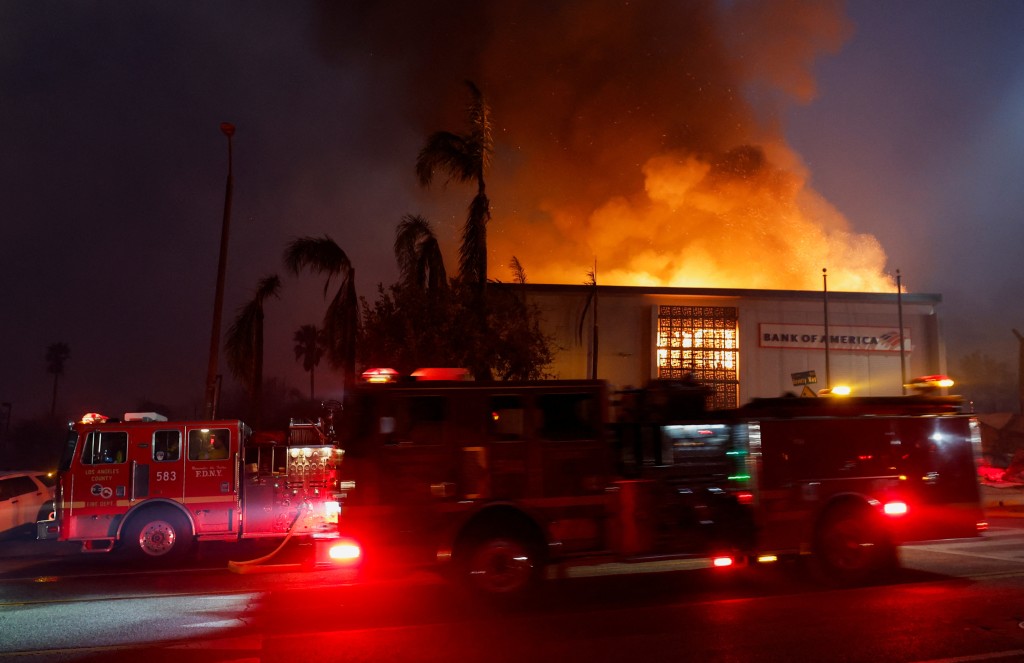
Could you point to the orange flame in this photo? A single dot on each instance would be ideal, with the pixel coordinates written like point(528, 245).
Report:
point(734, 222)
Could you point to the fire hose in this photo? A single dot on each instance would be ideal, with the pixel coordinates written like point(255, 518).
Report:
point(239, 567)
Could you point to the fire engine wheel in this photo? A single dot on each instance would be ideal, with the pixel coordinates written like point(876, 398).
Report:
point(501, 566)
point(852, 548)
point(157, 534)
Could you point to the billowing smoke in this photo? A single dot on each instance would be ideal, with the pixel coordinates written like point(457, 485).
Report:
point(640, 136)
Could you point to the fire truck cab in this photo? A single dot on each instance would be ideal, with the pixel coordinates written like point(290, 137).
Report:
point(152, 487)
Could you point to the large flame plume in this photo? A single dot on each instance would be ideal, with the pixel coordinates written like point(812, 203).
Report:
point(639, 136)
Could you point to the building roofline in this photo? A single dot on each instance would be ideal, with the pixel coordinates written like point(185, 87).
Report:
point(748, 293)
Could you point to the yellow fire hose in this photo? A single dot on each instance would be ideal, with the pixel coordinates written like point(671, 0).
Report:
point(249, 565)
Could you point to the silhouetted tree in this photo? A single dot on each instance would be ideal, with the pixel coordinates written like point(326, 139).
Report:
point(408, 328)
point(309, 348)
point(466, 158)
point(244, 344)
point(418, 253)
point(322, 255)
point(57, 355)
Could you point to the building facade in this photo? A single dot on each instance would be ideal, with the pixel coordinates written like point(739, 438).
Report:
point(744, 343)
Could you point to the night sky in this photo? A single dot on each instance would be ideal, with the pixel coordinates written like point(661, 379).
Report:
point(735, 144)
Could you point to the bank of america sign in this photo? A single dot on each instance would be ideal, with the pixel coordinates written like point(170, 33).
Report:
point(840, 337)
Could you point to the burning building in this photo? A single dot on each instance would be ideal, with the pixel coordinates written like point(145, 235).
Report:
point(743, 343)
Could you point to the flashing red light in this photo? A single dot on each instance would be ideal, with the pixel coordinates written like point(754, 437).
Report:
point(94, 418)
point(378, 375)
point(456, 374)
point(722, 562)
point(344, 550)
point(745, 497)
point(982, 526)
point(895, 508)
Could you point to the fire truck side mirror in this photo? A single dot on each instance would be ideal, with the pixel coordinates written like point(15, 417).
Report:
point(387, 425)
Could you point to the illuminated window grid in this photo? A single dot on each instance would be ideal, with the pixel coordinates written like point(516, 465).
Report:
point(703, 341)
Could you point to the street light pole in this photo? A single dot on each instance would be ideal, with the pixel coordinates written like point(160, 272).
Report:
point(210, 409)
point(903, 350)
point(828, 373)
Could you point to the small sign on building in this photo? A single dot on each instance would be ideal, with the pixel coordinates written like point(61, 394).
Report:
point(804, 377)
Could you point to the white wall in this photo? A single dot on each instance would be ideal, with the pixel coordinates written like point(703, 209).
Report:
point(626, 335)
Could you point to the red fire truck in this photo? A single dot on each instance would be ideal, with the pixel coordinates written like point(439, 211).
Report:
point(151, 487)
point(501, 481)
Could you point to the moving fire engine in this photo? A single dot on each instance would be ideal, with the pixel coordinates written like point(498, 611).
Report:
point(500, 481)
point(152, 487)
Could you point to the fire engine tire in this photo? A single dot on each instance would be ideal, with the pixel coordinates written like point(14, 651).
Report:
point(851, 547)
point(500, 565)
point(157, 534)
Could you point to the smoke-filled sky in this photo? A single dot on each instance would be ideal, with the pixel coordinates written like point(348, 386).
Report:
point(725, 143)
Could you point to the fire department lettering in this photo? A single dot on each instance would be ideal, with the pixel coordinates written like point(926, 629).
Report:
point(206, 472)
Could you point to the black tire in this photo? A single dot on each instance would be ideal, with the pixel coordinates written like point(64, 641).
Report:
point(157, 535)
point(45, 511)
point(852, 547)
point(501, 565)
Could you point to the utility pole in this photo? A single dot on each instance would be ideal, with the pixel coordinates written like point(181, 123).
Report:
point(210, 409)
point(899, 306)
point(828, 374)
point(1020, 369)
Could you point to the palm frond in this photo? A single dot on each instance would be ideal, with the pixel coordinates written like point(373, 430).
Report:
point(269, 286)
point(412, 231)
point(239, 343)
point(518, 272)
point(340, 325)
point(317, 254)
point(446, 152)
point(431, 264)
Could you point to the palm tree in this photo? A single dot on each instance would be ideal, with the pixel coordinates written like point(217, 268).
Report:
point(244, 343)
point(322, 255)
point(465, 157)
point(419, 255)
point(57, 355)
point(309, 347)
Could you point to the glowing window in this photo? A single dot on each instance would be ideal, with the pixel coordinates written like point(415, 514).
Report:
point(702, 342)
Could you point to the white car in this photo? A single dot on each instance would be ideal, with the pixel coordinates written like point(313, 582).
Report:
point(25, 497)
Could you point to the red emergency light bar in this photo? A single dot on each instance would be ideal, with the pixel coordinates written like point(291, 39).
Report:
point(456, 374)
point(378, 375)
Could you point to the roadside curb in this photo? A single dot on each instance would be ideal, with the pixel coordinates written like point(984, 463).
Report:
point(1004, 501)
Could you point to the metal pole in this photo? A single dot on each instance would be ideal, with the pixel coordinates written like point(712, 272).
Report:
point(828, 374)
point(210, 410)
point(899, 306)
point(5, 409)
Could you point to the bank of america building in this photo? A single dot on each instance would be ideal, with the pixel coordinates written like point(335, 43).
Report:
point(743, 343)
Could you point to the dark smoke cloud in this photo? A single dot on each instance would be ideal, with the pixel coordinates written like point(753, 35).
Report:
point(586, 94)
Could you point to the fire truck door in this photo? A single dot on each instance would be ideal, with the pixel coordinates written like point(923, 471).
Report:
point(103, 484)
point(420, 463)
point(210, 481)
point(166, 467)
